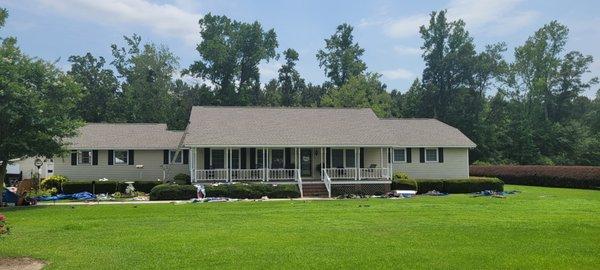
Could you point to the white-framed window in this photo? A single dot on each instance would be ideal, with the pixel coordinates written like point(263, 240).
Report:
point(120, 157)
point(431, 155)
point(178, 157)
point(400, 155)
point(84, 157)
point(343, 158)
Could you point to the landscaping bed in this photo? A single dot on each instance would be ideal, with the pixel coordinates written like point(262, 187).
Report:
point(470, 185)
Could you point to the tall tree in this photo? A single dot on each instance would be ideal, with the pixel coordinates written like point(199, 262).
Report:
point(311, 95)
point(290, 82)
point(341, 57)
point(99, 88)
point(230, 53)
point(36, 101)
point(147, 71)
point(363, 91)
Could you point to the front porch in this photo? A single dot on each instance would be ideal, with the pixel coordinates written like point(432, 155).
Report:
point(326, 165)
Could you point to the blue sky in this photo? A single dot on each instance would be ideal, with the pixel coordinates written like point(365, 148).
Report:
point(388, 30)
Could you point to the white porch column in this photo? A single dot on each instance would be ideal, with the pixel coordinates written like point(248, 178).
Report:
point(264, 165)
point(381, 157)
point(227, 162)
point(192, 164)
point(390, 162)
point(356, 170)
point(267, 163)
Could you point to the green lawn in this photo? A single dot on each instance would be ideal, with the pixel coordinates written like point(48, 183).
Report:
point(539, 228)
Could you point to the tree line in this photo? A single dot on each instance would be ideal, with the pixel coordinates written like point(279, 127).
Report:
point(526, 111)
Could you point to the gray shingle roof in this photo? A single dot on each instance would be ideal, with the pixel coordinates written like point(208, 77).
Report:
point(125, 136)
point(256, 126)
point(424, 133)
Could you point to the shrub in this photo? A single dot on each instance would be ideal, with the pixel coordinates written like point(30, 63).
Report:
point(473, 184)
point(54, 181)
point(401, 181)
point(549, 176)
point(173, 192)
point(253, 191)
point(182, 179)
point(107, 186)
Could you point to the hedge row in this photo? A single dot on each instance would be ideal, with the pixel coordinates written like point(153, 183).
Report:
point(238, 191)
point(173, 192)
point(473, 184)
point(587, 177)
point(106, 186)
point(253, 191)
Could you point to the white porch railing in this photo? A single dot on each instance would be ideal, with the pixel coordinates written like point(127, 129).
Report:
point(374, 173)
point(327, 181)
point(281, 174)
point(211, 175)
point(247, 175)
point(341, 173)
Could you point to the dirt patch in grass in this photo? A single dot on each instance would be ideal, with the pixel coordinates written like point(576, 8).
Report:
point(22, 263)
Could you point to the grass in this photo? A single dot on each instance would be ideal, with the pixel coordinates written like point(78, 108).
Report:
point(545, 228)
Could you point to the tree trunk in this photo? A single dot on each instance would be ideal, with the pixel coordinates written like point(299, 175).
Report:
point(2, 177)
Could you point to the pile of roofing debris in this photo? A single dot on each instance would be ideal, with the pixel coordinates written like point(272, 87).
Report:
point(494, 194)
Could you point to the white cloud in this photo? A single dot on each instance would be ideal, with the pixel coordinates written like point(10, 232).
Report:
point(405, 27)
point(396, 74)
point(164, 19)
point(406, 50)
point(269, 70)
point(491, 16)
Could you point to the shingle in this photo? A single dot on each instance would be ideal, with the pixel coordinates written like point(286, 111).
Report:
point(125, 136)
point(259, 126)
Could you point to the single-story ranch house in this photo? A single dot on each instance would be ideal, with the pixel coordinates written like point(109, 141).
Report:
point(324, 146)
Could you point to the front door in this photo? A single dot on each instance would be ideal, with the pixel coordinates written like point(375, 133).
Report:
point(306, 162)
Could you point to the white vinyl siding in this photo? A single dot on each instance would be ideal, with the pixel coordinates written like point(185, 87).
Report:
point(151, 159)
point(455, 165)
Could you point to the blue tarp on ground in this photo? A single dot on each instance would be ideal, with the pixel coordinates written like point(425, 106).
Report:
point(9, 197)
point(77, 196)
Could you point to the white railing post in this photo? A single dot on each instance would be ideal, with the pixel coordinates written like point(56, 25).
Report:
point(298, 178)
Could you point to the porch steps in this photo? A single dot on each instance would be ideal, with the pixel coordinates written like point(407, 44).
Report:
point(314, 190)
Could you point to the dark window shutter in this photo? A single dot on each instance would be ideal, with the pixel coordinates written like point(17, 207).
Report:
point(288, 157)
point(362, 158)
point(74, 158)
point(94, 157)
point(252, 158)
point(131, 157)
point(206, 158)
point(166, 157)
point(441, 155)
point(422, 155)
point(327, 157)
point(389, 155)
point(408, 155)
point(110, 157)
point(186, 156)
point(243, 158)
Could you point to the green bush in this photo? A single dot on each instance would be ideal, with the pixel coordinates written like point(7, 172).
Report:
point(473, 184)
point(401, 181)
point(546, 176)
point(182, 179)
point(253, 191)
point(54, 181)
point(173, 192)
point(107, 186)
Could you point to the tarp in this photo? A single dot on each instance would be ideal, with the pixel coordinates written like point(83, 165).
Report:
point(77, 196)
point(9, 196)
